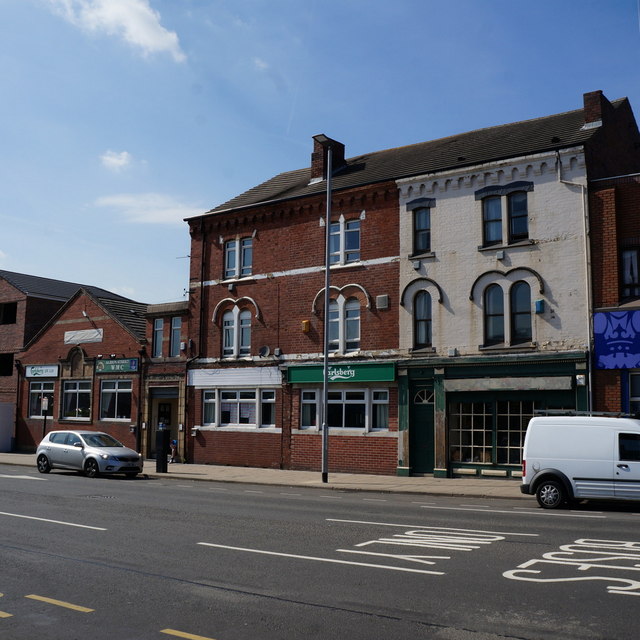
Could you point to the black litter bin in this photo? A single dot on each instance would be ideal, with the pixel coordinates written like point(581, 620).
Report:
point(163, 438)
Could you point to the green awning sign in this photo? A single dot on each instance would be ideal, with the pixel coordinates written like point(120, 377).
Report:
point(121, 365)
point(377, 372)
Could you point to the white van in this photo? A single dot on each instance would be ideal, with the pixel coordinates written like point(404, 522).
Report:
point(569, 458)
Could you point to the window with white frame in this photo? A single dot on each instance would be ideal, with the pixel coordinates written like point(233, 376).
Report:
point(238, 258)
point(238, 407)
point(176, 329)
point(236, 333)
point(344, 325)
point(513, 326)
point(158, 331)
point(365, 409)
point(344, 241)
point(115, 400)
point(37, 392)
point(76, 399)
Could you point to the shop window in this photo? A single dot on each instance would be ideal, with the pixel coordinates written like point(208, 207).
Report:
point(76, 400)
point(239, 407)
point(115, 400)
point(176, 329)
point(422, 320)
point(488, 432)
point(158, 331)
point(348, 408)
point(8, 312)
point(344, 241)
point(238, 258)
point(38, 391)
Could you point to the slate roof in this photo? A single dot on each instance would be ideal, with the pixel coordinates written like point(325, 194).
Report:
point(466, 149)
point(50, 289)
point(129, 313)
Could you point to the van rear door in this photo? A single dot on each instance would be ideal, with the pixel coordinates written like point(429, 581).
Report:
point(626, 466)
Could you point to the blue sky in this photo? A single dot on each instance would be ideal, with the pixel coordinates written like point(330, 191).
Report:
point(119, 118)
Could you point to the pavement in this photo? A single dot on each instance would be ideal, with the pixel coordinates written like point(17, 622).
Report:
point(425, 485)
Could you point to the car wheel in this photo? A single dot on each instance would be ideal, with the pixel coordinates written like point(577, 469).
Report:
point(44, 466)
point(131, 475)
point(550, 494)
point(91, 469)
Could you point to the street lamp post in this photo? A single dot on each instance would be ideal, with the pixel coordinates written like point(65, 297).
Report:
point(326, 144)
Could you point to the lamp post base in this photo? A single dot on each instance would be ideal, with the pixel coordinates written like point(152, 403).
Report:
point(325, 477)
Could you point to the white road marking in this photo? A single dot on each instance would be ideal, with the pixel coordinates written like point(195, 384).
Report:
point(532, 513)
point(418, 526)
point(68, 524)
point(373, 500)
point(316, 559)
point(6, 475)
point(290, 494)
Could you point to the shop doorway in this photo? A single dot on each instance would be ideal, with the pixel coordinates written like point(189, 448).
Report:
point(421, 430)
point(163, 414)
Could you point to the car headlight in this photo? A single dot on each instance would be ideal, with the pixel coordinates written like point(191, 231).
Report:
point(105, 456)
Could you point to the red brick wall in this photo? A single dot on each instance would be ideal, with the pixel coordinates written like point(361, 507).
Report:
point(236, 448)
point(607, 393)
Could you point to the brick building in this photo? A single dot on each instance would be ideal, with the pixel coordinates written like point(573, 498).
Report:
point(614, 203)
point(82, 370)
point(461, 299)
point(27, 303)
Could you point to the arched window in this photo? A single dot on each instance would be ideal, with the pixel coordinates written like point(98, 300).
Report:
point(520, 304)
point(236, 333)
point(422, 320)
point(493, 315)
point(344, 325)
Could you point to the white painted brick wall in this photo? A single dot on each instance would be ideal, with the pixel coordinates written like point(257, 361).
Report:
point(557, 254)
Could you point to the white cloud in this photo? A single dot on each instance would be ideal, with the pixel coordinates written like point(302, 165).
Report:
point(149, 208)
point(260, 64)
point(116, 161)
point(133, 20)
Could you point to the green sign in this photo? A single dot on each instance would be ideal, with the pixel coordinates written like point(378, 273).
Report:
point(121, 365)
point(377, 372)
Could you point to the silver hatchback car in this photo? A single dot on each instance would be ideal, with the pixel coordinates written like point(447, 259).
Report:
point(91, 452)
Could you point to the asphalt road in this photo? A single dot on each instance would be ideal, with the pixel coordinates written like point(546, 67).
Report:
point(151, 559)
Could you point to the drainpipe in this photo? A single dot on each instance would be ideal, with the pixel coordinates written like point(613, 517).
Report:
point(588, 281)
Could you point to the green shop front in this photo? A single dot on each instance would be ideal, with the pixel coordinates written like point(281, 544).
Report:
point(362, 415)
point(468, 416)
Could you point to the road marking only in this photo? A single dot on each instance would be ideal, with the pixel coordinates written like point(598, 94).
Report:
point(331, 560)
point(60, 603)
point(182, 634)
point(68, 524)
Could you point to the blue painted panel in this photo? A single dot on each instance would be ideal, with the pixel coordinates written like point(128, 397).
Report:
point(617, 339)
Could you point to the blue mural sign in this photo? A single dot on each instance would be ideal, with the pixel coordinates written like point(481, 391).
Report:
point(617, 339)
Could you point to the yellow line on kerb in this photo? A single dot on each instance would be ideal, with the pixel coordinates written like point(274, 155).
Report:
point(60, 603)
point(182, 634)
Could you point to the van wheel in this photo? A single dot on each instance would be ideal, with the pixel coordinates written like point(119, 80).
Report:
point(550, 494)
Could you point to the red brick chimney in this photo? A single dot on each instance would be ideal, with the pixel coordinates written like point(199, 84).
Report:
point(596, 107)
point(319, 157)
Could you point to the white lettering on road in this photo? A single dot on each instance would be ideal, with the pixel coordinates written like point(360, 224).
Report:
point(595, 558)
point(68, 524)
point(443, 539)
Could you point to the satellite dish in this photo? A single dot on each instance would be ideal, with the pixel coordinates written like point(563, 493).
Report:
point(263, 352)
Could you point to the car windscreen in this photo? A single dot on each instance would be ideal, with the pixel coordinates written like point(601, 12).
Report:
point(101, 440)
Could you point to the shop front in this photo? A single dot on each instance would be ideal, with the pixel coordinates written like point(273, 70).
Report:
point(468, 417)
point(362, 416)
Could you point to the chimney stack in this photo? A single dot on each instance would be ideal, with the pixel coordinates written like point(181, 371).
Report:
point(319, 158)
point(596, 108)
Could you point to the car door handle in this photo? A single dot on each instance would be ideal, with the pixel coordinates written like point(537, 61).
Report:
point(623, 466)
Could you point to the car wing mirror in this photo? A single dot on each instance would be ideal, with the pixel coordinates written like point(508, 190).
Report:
point(78, 444)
